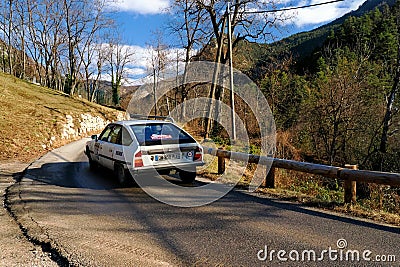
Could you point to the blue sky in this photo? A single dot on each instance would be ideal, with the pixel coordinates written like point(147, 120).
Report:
point(138, 29)
point(138, 20)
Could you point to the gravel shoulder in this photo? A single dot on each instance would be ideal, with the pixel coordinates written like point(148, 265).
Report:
point(16, 249)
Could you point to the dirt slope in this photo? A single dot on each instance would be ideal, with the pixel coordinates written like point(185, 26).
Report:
point(31, 118)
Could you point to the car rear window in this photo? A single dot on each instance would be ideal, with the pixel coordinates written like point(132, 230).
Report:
point(160, 133)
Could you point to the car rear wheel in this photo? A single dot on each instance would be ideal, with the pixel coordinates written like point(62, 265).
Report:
point(187, 176)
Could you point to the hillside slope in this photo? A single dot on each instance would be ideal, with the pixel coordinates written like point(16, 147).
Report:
point(34, 119)
point(303, 44)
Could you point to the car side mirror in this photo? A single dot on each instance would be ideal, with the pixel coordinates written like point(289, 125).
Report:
point(94, 137)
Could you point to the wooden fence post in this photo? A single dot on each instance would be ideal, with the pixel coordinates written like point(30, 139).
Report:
point(350, 187)
point(269, 181)
point(221, 164)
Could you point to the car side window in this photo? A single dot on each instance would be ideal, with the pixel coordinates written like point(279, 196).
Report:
point(104, 135)
point(113, 137)
point(125, 137)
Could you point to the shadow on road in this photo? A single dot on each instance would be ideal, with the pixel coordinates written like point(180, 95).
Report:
point(78, 175)
point(72, 175)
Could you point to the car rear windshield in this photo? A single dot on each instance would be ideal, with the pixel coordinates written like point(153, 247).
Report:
point(160, 134)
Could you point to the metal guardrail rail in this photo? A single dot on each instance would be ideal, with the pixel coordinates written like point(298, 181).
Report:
point(349, 174)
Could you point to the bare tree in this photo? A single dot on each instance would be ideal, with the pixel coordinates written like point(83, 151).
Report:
point(10, 36)
point(83, 19)
point(189, 29)
point(32, 45)
point(2, 35)
point(20, 30)
point(56, 35)
point(6, 26)
point(336, 112)
point(118, 57)
point(51, 40)
point(75, 22)
point(93, 66)
point(44, 39)
point(158, 63)
point(91, 51)
point(245, 24)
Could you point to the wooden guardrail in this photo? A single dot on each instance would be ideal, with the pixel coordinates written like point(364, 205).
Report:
point(349, 174)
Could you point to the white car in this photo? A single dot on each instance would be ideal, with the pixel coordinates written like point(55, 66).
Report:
point(136, 146)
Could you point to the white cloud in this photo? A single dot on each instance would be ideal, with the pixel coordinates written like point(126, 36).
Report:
point(323, 13)
point(140, 58)
point(135, 71)
point(138, 71)
point(142, 7)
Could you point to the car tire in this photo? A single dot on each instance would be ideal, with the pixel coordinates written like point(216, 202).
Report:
point(164, 172)
point(120, 174)
point(187, 176)
point(92, 164)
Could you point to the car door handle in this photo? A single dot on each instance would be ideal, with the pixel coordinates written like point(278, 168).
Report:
point(110, 150)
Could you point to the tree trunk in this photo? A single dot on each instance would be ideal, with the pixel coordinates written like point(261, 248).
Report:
point(10, 33)
point(390, 101)
point(154, 92)
point(213, 89)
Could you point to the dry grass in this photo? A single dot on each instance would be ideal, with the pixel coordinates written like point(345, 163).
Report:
point(355, 210)
point(316, 191)
point(31, 115)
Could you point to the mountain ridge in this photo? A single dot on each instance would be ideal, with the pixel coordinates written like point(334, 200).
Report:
point(304, 43)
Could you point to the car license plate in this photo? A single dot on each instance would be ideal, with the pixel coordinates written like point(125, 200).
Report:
point(166, 157)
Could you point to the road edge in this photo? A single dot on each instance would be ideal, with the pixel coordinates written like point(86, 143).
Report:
point(11, 197)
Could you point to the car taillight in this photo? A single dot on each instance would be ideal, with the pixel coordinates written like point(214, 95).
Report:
point(198, 154)
point(138, 161)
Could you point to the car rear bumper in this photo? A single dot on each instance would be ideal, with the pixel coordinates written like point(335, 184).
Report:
point(184, 166)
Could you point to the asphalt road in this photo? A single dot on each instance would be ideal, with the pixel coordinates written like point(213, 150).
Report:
point(86, 219)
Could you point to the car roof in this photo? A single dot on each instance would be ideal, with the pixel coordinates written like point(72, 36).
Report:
point(137, 122)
